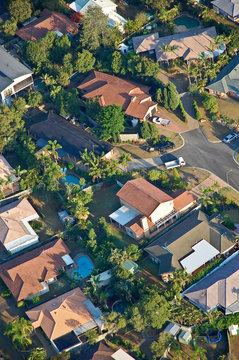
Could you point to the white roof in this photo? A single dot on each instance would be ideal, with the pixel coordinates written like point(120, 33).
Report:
point(233, 328)
point(123, 215)
point(121, 355)
point(202, 253)
point(172, 329)
point(104, 275)
point(67, 259)
point(84, 5)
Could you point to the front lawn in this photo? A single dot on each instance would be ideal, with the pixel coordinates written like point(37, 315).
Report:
point(229, 108)
point(230, 194)
point(214, 131)
point(233, 213)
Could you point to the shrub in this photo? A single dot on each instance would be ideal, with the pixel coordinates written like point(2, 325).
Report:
point(20, 304)
point(197, 111)
point(183, 112)
point(37, 225)
point(70, 166)
point(36, 299)
point(228, 222)
point(6, 293)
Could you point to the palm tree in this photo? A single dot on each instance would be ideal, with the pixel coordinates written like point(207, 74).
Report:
point(20, 331)
point(167, 48)
point(19, 172)
point(52, 147)
point(94, 163)
point(8, 181)
point(124, 158)
point(37, 354)
point(199, 353)
point(48, 79)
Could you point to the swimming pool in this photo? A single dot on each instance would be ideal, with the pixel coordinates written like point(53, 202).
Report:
point(71, 179)
point(186, 21)
point(85, 267)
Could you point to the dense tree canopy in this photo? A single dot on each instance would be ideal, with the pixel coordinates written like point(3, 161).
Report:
point(20, 10)
point(112, 121)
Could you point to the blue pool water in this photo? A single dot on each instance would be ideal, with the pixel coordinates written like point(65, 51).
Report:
point(187, 21)
point(71, 179)
point(85, 268)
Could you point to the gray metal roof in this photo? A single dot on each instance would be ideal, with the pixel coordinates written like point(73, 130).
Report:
point(230, 7)
point(219, 288)
point(228, 78)
point(10, 69)
point(176, 243)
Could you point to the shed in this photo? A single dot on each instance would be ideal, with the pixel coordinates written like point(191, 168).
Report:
point(103, 279)
point(123, 48)
point(172, 329)
point(131, 266)
point(185, 337)
point(233, 330)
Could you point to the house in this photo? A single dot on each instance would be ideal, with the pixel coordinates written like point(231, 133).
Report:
point(233, 330)
point(111, 90)
point(184, 337)
point(102, 352)
point(14, 76)
point(227, 81)
point(16, 232)
point(228, 8)
point(108, 7)
point(31, 273)
point(145, 208)
point(188, 45)
point(48, 21)
point(131, 266)
point(191, 244)
point(7, 173)
point(65, 318)
point(73, 139)
point(219, 289)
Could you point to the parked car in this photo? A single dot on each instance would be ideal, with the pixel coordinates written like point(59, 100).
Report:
point(229, 138)
point(149, 148)
point(166, 146)
point(175, 163)
point(160, 121)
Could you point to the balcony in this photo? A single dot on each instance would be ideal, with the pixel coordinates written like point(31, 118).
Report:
point(23, 84)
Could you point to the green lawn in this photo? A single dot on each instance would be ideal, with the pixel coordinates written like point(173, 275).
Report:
point(230, 194)
point(233, 213)
point(104, 203)
point(229, 107)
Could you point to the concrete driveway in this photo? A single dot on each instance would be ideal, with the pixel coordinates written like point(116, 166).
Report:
point(198, 152)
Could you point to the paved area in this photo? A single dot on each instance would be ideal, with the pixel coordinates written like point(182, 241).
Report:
point(198, 152)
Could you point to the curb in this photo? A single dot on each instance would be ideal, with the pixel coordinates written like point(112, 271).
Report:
point(234, 156)
point(213, 142)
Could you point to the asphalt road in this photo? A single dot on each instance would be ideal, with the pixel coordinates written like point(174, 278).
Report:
point(216, 157)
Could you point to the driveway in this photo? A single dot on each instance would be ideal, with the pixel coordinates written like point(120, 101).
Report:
point(198, 152)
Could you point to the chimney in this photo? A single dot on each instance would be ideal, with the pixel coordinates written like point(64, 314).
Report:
point(144, 223)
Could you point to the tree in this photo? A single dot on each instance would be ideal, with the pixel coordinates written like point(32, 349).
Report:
point(65, 355)
point(20, 10)
point(154, 175)
point(34, 98)
point(158, 347)
point(77, 204)
point(124, 159)
point(20, 330)
point(117, 62)
point(228, 222)
point(118, 257)
point(34, 54)
point(133, 252)
point(38, 354)
point(145, 130)
point(173, 98)
point(95, 31)
point(91, 243)
point(52, 147)
point(154, 131)
point(85, 61)
point(10, 27)
point(112, 121)
point(136, 319)
point(62, 45)
point(200, 353)
point(196, 110)
point(91, 336)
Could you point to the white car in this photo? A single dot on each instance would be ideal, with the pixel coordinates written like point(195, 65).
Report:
point(161, 121)
point(229, 138)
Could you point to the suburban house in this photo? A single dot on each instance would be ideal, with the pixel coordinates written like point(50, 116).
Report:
point(219, 289)
point(16, 232)
point(227, 81)
point(48, 21)
point(188, 45)
point(73, 139)
point(111, 90)
point(14, 76)
point(190, 245)
point(65, 318)
point(102, 352)
point(31, 273)
point(8, 181)
point(228, 8)
point(145, 208)
point(108, 7)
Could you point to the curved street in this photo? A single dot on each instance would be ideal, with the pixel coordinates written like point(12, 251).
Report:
point(198, 152)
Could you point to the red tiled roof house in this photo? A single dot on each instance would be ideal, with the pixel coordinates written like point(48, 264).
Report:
point(111, 90)
point(145, 208)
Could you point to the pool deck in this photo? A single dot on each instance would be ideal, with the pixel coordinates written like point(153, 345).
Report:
point(70, 271)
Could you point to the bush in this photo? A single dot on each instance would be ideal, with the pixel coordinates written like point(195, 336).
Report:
point(37, 225)
point(197, 111)
point(20, 304)
point(36, 299)
point(6, 293)
point(183, 112)
point(34, 98)
point(209, 103)
point(202, 273)
point(228, 222)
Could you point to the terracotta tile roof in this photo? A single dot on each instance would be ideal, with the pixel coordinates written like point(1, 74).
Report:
point(182, 198)
point(61, 315)
point(136, 227)
point(142, 195)
point(11, 215)
point(133, 98)
point(22, 274)
point(48, 21)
